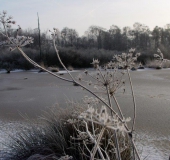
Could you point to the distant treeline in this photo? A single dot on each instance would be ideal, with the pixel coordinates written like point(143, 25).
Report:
point(99, 40)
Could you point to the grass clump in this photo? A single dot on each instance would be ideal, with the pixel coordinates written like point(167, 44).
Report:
point(54, 69)
point(155, 64)
point(70, 68)
point(63, 136)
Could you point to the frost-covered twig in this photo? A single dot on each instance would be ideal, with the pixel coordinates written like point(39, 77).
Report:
point(134, 101)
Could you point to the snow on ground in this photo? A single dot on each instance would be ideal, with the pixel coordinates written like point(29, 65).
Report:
point(151, 147)
point(63, 71)
point(36, 71)
point(145, 145)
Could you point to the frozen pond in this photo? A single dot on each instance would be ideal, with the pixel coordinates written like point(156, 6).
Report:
point(27, 93)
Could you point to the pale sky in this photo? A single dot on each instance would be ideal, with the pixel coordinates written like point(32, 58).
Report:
point(81, 14)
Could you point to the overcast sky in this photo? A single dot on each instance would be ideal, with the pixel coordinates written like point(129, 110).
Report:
point(80, 14)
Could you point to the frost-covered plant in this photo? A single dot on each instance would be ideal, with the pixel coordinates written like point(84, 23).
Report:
point(100, 128)
point(127, 60)
point(160, 60)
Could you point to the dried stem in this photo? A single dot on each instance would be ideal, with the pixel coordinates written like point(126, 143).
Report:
point(134, 101)
point(96, 142)
point(37, 65)
point(117, 146)
point(61, 60)
point(117, 104)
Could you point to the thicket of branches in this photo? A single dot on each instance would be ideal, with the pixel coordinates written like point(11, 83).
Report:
point(140, 37)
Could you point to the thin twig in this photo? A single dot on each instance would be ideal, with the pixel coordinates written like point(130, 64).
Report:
point(57, 52)
point(117, 146)
point(96, 142)
point(37, 65)
point(134, 101)
point(117, 104)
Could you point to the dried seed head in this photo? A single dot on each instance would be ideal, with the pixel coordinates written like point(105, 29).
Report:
point(95, 63)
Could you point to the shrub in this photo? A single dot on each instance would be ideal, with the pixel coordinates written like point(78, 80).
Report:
point(159, 62)
point(14, 60)
point(78, 58)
